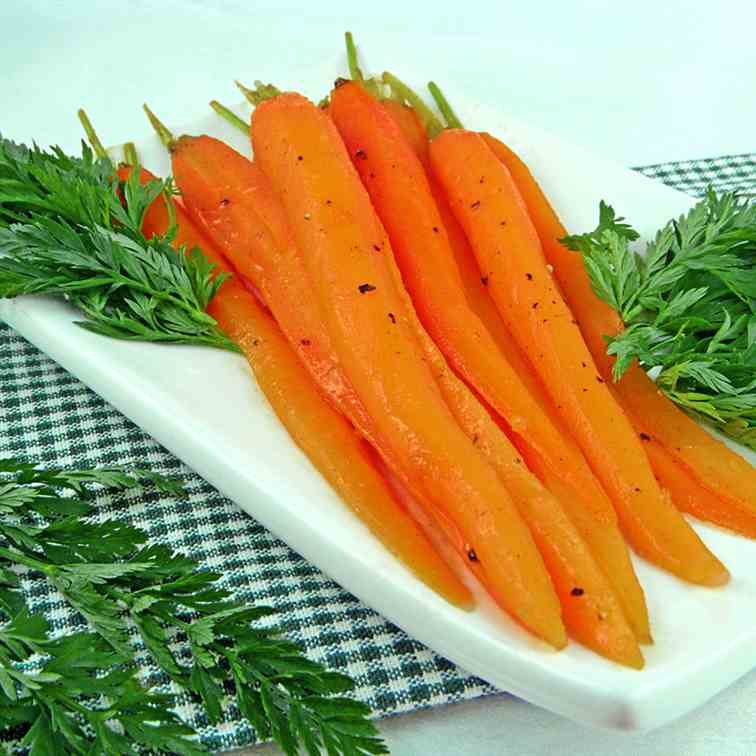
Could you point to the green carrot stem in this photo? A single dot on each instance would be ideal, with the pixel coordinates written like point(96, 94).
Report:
point(230, 116)
point(354, 69)
point(260, 93)
point(166, 137)
point(405, 94)
point(130, 156)
point(92, 137)
point(443, 105)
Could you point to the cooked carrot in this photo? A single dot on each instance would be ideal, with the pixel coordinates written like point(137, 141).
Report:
point(344, 248)
point(493, 214)
point(608, 639)
point(584, 499)
point(411, 127)
point(714, 466)
point(324, 436)
point(233, 201)
point(401, 194)
point(605, 622)
point(690, 497)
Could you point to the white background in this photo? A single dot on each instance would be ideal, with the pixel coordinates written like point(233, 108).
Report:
point(639, 82)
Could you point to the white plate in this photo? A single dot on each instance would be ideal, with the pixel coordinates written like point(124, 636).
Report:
point(204, 406)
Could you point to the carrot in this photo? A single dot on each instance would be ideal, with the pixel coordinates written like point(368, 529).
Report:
point(324, 436)
point(692, 498)
point(397, 184)
point(233, 201)
point(581, 495)
point(344, 248)
point(490, 209)
point(714, 467)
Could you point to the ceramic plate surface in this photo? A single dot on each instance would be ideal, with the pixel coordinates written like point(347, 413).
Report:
point(204, 406)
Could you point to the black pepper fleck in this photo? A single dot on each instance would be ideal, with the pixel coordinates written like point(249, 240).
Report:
point(645, 437)
point(361, 154)
point(305, 342)
point(225, 202)
point(529, 276)
point(577, 591)
point(475, 205)
point(535, 305)
point(484, 280)
point(472, 556)
point(599, 379)
point(392, 317)
point(300, 157)
point(365, 288)
point(435, 229)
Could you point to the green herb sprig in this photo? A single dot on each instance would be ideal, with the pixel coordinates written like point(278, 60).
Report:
point(688, 304)
point(64, 231)
point(83, 695)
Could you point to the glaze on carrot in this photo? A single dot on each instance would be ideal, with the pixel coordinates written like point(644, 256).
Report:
point(325, 437)
point(581, 495)
point(344, 248)
point(714, 467)
point(233, 202)
point(495, 219)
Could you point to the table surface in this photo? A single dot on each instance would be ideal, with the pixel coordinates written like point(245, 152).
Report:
point(639, 83)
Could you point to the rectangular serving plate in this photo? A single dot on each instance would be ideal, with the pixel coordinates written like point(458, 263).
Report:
point(204, 406)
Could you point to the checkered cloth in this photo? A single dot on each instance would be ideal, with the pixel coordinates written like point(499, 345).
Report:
point(48, 416)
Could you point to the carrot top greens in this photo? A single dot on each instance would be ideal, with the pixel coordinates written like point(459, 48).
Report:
point(689, 305)
point(65, 231)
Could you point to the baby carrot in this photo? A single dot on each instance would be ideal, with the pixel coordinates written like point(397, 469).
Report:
point(344, 246)
point(495, 219)
point(714, 467)
point(582, 496)
point(232, 200)
point(327, 439)
point(400, 192)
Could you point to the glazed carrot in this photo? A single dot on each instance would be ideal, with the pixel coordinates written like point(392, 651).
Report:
point(583, 498)
point(602, 622)
point(690, 497)
point(570, 565)
point(329, 442)
point(411, 127)
point(487, 204)
point(713, 466)
point(344, 248)
point(232, 200)
point(400, 192)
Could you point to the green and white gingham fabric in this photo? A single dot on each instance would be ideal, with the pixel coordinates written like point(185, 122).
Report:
point(47, 415)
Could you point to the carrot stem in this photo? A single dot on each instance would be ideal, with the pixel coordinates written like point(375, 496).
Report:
point(130, 156)
point(406, 94)
point(92, 137)
point(354, 69)
point(443, 105)
point(260, 93)
point(166, 137)
point(230, 116)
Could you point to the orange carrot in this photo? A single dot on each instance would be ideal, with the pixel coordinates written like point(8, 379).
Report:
point(706, 460)
point(692, 498)
point(344, 248)
point(490, 209)
point(583, 498)
point(397, 184)
point(233, 201)
point(323, 435)
point(401, 194)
